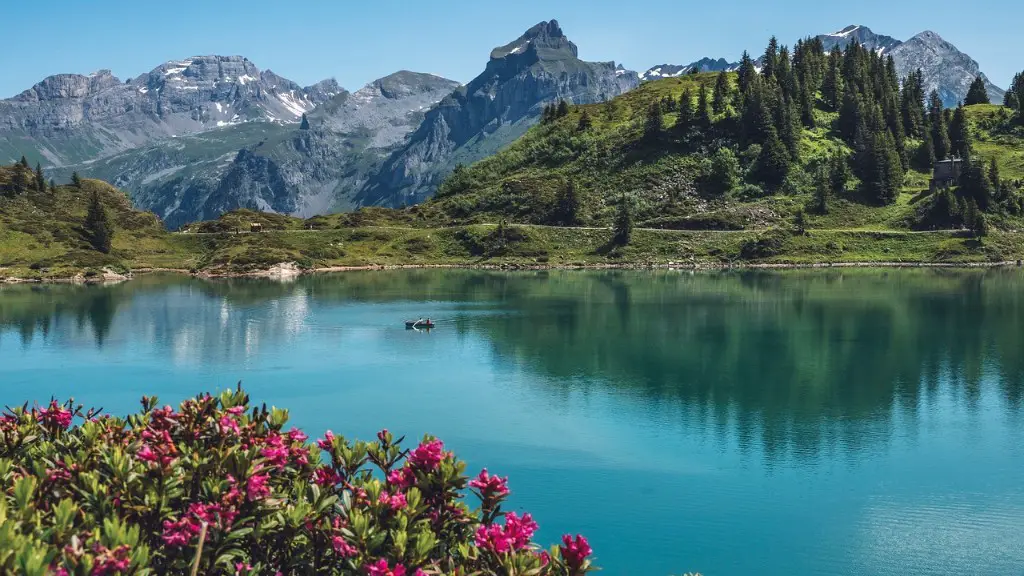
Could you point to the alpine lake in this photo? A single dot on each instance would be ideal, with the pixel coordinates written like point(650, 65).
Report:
point(825, 422)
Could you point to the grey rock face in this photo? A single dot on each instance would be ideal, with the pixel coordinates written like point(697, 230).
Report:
point(272, 165)
point(540, 67)
point(863, 35)
point(675, 70)
point(386, 109)
point(72, 118)
point(945, 68)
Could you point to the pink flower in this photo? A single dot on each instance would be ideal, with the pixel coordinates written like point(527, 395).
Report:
point(256, 487)
point(301, 455)
point(228, 424)
point(55, 415)
point(242, 568)
point(427, 455)
point(326, 476)
point(146, 454)
point(515, 535)
point(276, 457)
point(60, 571)
point(58, 474)
point(343, 548)
point(383, 436)
point(490, 486)
point(575, 552)
point(380, 568)
point(179, 533)
point(395, 502)
point(545, 558)
point(327, 441)
point(401, 478)
point(296, 435)
point(112, 561)
point(235, 410)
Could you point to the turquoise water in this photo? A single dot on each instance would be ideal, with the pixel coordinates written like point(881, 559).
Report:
point(855, 422)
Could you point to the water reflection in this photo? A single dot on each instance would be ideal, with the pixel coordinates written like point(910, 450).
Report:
point(796, 362)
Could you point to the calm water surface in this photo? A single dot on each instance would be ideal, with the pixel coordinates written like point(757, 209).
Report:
point(855, 422)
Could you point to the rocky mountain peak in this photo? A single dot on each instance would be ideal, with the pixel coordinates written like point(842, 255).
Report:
point(543, 41)
point(69, 86)
point(862, 35)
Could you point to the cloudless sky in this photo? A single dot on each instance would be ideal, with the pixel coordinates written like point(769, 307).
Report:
point(359, 41)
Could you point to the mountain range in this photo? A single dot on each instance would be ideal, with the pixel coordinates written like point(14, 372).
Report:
point(194, 138)
point(946, 69)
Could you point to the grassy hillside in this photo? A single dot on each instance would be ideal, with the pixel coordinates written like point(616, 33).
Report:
point(666, 179)
point(41, 233)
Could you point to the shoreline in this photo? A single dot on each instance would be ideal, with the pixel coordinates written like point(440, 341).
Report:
point(290, 270)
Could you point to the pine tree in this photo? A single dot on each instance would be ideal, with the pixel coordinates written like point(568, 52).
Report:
point(23, 162)
point(549, 114)
point(76, 180)
point(724, 174)
point(912, 110)
point(53, 185)
point(959, 134)
point(687, 114)
point(832, 87)
point(924, 156)
point(771, 58)
point(977, 94)
point(563, 109)
point(721, 94)
point(20, 179)
point(585, 122)
point(703, 118)
point(850, 115)
point(568, 205)
point(940, 131)
point(821, 190)
point(40, 179)
point(97, 226)
point(885, 175)
point(304, 125)
point(623, 231)
point(838, 174)
point(653, 124)
point(1010, 101)
point(745, 73)
point(998, 190)
point(975, 184)
point(773, 163)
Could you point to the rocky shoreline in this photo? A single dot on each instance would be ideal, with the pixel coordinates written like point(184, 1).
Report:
point(285, 271)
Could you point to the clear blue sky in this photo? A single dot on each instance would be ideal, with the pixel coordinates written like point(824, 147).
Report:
point(357, 41)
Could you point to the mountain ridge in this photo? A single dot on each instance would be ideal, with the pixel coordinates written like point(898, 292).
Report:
point(946, 68)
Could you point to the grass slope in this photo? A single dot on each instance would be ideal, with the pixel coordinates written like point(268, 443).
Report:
point(611, 158)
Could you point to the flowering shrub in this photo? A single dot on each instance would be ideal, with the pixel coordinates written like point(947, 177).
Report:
point(219, 487)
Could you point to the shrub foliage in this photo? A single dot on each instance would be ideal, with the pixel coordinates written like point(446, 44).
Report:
point(220, 487)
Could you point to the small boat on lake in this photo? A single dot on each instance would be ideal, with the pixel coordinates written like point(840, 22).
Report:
point(417, 324)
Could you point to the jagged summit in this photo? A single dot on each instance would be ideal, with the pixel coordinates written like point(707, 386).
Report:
point(544, 40)
point(539, 67)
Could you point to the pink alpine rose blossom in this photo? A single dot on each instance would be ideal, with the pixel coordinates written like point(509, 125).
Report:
point(575, 552)
point(55, 415)
point(490, 486)
point(380, 568)
point(428, 455)
point(327, 441)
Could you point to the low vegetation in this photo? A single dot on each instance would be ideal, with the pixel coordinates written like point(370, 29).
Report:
point(220, 487)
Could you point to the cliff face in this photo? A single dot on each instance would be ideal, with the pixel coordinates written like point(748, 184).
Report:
point(71, 118)
point(271, 165)
point(540, 67)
